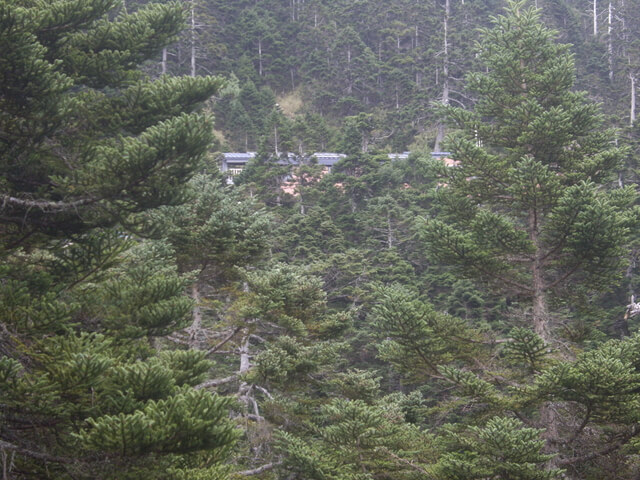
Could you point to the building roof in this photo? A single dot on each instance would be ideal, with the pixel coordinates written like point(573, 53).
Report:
point(232, 157)
point(398, 156)
point(327, 159)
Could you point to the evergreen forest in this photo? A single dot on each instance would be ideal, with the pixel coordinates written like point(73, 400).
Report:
point(466, 311)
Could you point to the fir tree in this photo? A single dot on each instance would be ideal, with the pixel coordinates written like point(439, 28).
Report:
point(528, 212)
point(88, 146)
point(525, 209)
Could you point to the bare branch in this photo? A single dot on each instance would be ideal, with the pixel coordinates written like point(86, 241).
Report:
point(44, 205)
point(608, 449)
point(221, 344)
point(175, 338)
point(265, 391)
point(587, 417)
point(30, 453)
point(254, 417)
point(256, 471)
point(216, 382)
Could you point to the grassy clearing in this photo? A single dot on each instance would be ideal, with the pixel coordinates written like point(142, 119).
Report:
point(291, 103)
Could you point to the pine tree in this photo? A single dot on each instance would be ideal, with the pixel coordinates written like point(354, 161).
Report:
point(525, 209)
point(503, 449)
point(88, 146)
point(528, 212)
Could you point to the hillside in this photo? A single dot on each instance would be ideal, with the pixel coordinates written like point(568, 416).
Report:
point(168, 312)
point(305, 67)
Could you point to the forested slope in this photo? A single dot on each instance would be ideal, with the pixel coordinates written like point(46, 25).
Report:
point(323, 61)
point(387, 320)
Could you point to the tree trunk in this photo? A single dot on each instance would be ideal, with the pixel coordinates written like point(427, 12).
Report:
point(244, 353)
point(540, 319)
point(260, 56)
point(549, 417)
point(245, 364)
point(244, 389)
point(390, 239)
point(445, 74)
point(193, 38)
point(275, 139)
point(365, 143)
point(379, 78)
point(610, 42)
point(195, 329)
point(549, 421)
point(632, 109)
point(595, 18)
point(164, 61)
point(349, 82)
point(540, 314)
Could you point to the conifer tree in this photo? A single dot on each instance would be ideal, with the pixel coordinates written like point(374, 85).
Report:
point(88, 146)
point(528, 212)
point(525, 210)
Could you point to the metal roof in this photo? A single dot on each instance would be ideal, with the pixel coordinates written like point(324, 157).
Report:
point(324, 158)
point(234, 157)
point(398, 156)
point(327, 158)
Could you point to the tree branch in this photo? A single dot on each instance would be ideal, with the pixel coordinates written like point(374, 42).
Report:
point(216, 382)
point(38, 455)
point(220, 345)
point(611, 448)
point(44, 205)
point(256, 471)
point(406, 462)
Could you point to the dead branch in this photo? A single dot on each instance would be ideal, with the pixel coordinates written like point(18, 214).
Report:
point(216, 382)
point(44, 205)
point(225, 340)
point(30, 453)
point(265, 391)
point(623, 439)
point(256, 471)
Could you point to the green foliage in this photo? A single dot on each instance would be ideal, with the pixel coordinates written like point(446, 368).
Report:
point(188, 421)
point(71, 121)
point(603, 381)
point(526, 348)
point(502, 449)
point(286, 296)
point(470, 385)
point(355, 440)
point(144, 301)
point(357, 385)
point(359, 381)
point(554, 211)
point(89, 146)
point(416, 338)
point(286, 360)
point(217, 228)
